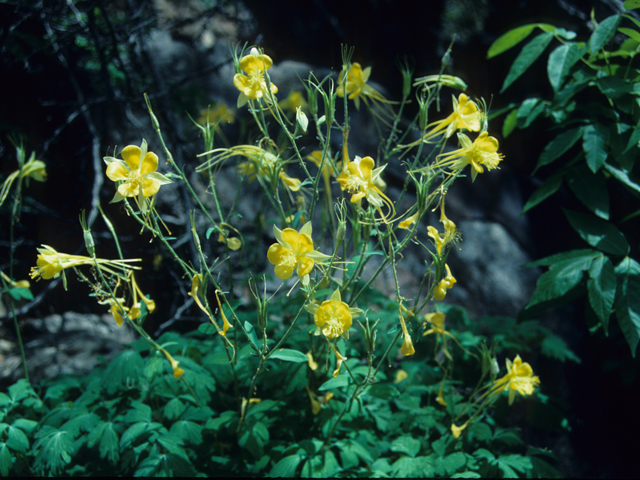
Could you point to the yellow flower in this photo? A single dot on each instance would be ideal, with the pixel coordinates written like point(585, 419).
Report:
point(253, 85)
point(400, 376)
point(294, 251)
point(293, 101)
point(216, 113)
point(35, 169)
point(50, 263)
point(18, 283)
point(450, 232)
point(137, 171)
point(177, 371)
point(446, 283)
point(333, 317)
point(458, 430)
point(359, 178)
point(466, 114)
point(116, 310)
point(406, 223)
point(483, 151)
point(519, 378)
point(356, 85)
point(317, 402)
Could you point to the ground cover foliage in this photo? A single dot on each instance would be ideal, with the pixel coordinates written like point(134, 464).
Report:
point(318, 373)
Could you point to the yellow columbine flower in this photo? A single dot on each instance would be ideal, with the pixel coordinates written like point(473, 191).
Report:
point(445, 284)
point(356, 85)
point(406, 223)
point(50, 263)
point(253, 85)
point(293, 101)
point(519, 378)
point(18, 283)
point(35, 169)
point(458, 430)
point(137, 171)
point(333, 317)
point(216, 113)
point(177, 371)
point(483, 151)
point(466, 114)
point(359, 178)
point(294, 251)
point(451, 234)
point(400, 376)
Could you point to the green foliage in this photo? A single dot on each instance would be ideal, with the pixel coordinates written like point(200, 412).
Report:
point(595, 101)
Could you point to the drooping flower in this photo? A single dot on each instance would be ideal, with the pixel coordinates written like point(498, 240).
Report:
point(483, 151)
point(456, 431)
point(445, 284)
point(519, 378)
point(137, 172)
point(294, 251)
point(50, 263)
point(451, 234)
point(356, 85)
point(177, 371)
point(407, 222)
point(253, 85)
point(359, 178)
point(333, 317)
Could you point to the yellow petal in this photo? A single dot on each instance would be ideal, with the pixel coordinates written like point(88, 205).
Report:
point(131, 154)
point(149, 163)
point(116, 171)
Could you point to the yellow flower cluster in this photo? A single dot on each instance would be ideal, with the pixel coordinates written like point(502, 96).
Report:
point(253, 85)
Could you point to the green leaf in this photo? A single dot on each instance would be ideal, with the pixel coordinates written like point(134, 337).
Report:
point(622, 177)
point(603, 33)
point(530, 52)
point(382, 391)
point(634, 140)
point(631, 4)
point(108, 438)
point(5, 460)
point(286, 467)
point(481, 431)
point(82, 422)
point(530, 109)
point(598, 233)
point(454, 462)
point(516, 462)
point(630, 32)
point(555, 347)
point(187, 430)
point(602, 289)
point(153, 366)
point(337, 382)
point(17, 440)
point(289, 355)
point(560, 62)
point(558, 146)
point(544, 191)
point(627, 301)
point(590, 188)
point(594, 143)
point(174, 408)
point(510, 39)
point(54, 450)
point(406, 444)
point(124, 372)
point(251, 334)
point(561, 277)
point(20, 292)
point(510, 122)
point(24, 424)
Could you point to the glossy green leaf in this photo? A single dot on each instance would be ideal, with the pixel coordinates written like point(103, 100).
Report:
point(560, 62)
point(337, 382)
point(634, 139)
point(124, 372)
point(544, 191)
point(627, 303)
point(17, 440)
point(5, 460)
point(510, 39)
point(286, 467)
point(108, 438)
point(602, 289)
point(603, 33)
point(598, 233)
point(382, 391)
point(630, 32)
point(406, 444)
point(558, 146)
point(289, 355)
point(561, 277)
point(529, 54)
point(54, 450)
point(631, 4)
point(530, 109)
point(594, 144)
point(560, 257)
point(21, 293)
point(510, 122)
point(622, 177)
point(590, 188)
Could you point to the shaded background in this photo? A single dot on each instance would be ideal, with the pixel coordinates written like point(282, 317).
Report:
point(73, 76)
